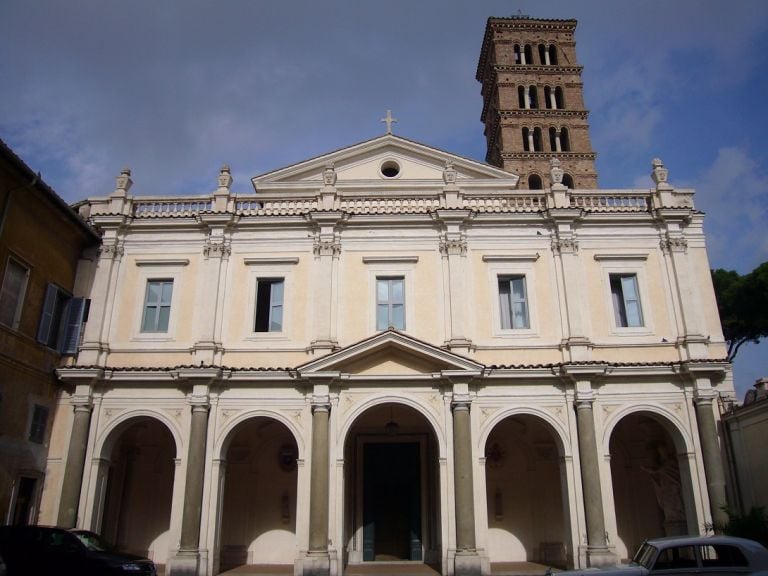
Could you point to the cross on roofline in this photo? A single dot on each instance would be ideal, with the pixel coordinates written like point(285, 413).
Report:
point(389, 120)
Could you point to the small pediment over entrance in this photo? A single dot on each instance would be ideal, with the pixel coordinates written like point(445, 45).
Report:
point(390, 353)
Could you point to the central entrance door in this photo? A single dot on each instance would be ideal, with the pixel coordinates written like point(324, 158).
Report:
point(391, 501)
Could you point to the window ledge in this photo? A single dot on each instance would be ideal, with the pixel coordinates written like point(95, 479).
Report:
point(162, 262)
point(266, 336)
point(621, 257)
point(390, 259)
point(516, 333)
point(270, 261)
point(160, 337)
point(624, 332)
point(511, 257)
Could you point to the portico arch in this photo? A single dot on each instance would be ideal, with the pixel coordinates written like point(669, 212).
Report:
point(392, 482)
point(526, 486)
point(651, 460)
point(257, 462)
point(137, 450)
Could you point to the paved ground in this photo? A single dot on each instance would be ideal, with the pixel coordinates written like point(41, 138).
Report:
point(392, 568)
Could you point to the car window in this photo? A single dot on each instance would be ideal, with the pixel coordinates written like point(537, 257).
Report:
point(722, 556)
point(61, 540)
point(675, 558)
point(645, 555)
point(92, 541)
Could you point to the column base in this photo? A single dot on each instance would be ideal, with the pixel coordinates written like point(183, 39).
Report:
point(316, 564)
point(601, 556)
point(184, 563)
point(467, 563)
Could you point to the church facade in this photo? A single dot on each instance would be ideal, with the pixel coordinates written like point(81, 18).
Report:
point(391, 353)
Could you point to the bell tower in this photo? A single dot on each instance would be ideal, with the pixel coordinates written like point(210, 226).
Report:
point(533, 101)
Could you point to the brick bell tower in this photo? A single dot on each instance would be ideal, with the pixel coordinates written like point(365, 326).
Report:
point(533, 101)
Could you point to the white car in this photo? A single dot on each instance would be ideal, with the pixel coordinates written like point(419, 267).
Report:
point(700, 555)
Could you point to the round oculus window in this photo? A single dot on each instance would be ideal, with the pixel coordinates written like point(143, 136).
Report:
point(390, 169)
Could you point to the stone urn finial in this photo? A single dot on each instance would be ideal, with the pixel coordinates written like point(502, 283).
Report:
point(555, 172)
point(659, 174)
point(449, 173)
point(123, 182)
point(329, 174)
point(225, 178)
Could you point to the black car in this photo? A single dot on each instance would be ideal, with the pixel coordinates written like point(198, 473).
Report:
point(45, 550)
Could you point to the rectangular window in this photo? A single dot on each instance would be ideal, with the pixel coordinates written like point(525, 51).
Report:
point(269, 305)
point(38, 425)
point(157, 306)
point(626, 300)
point(12, 293)
point(390, 303)
point(61, 320)
point(513, 303)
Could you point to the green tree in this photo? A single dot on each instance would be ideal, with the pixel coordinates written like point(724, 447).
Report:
point(743, 305)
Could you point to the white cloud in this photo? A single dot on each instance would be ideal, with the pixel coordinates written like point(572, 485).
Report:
point(733, 194)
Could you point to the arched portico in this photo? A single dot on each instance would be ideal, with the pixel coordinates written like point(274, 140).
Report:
point(526, 486)
point(138, 451)
point(651, 477)
point(392, 485)
point(257, 494)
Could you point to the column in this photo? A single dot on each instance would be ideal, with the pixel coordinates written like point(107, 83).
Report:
point(552, 99)
point(186, 561)
point(73, 473)
point(598, 553)
point(467, 561)
point(558, 146)
point(317, 562)
point(710, 452)
point(527, 96)
point(530, 137)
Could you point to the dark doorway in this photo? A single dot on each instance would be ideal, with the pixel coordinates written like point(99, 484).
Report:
point(25, 499)
point(391, 501)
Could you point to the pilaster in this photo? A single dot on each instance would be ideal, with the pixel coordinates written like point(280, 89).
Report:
point(95, 347)
point(208, 348)
point(453, 248)
point(327, 250)
point(565, 248)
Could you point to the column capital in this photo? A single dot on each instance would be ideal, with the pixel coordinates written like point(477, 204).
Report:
point(584, 400)
point(461, 404)
point(704, 397)
point(82, 399)
point(321, 404)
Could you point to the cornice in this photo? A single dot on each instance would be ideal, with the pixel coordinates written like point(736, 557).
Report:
point(537, 69)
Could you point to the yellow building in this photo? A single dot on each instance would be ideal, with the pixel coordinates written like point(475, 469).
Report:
point(41, 239)
point(393, 353)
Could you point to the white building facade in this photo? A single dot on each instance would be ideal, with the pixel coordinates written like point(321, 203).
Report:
point(392, 353)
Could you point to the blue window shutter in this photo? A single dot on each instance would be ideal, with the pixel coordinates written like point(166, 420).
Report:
point(49, 309)
point(75, 315)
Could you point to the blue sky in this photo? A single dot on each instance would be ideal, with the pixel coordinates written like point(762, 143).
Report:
point(175, 89)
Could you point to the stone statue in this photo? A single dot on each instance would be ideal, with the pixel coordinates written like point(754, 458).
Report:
point(665, 475)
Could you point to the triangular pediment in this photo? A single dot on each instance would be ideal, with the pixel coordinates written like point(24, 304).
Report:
point(390, 353)
point(366, 164)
